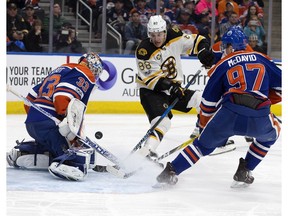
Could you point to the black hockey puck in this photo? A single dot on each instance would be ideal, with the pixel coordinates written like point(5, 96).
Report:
point(98, 135)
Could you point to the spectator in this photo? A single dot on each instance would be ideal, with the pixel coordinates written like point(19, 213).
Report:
point(168, 16)
point(190, 5)
point(251, 11)
point(245, 4)
point(129, 4)
point(223, 17)
point(16, 29)
point(67, 42)
point(185, 23)
point(118, 16)
point(166, 4)
point(144, 10)
point(203, 24)
point(204, 6)
point(19, 3)
point(222, 6)
point(36, 36)
point(253, 42)
point(254, 26)
point(179, 4)
point(58, 20)
point(34, 3)
point(233, 20)
point(96, 11)
point(134, 33)
point(166, 13)
point(29, 16)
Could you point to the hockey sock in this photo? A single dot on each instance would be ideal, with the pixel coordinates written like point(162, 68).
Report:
point(189, 156)
point(256, 153)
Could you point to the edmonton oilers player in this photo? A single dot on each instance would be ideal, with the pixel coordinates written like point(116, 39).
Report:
point(235, 101)
point(56, 146)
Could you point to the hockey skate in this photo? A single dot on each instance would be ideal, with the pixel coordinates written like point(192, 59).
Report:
point(243, 177)
point(167, 176)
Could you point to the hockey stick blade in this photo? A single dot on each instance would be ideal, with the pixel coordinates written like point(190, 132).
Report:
point(222, 150)
point(115, 170)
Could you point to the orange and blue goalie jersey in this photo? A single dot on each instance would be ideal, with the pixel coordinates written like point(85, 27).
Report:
point(241, 72)
point(54, 93)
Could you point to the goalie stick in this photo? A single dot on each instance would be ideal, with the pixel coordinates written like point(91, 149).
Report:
point(102, 151)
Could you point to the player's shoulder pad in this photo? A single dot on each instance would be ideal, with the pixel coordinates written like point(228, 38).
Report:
point(81, 69)
point(173, 32)
point(145, 49)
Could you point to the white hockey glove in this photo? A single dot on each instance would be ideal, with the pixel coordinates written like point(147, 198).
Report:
point(65, 130)
point(72, 124)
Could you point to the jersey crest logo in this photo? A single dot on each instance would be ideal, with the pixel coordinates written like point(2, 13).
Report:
point(175, 28)
point(158, 57)
point(169, 67)
point(142, 52)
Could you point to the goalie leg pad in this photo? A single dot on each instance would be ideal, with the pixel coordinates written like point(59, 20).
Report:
point(28, 155)
point(72, 165)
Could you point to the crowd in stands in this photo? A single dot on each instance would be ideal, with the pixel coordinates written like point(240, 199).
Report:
point(28, 27)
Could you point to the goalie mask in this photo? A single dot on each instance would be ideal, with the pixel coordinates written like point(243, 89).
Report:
point(94, 63)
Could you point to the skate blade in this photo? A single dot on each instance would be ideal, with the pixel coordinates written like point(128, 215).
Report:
point(237, 184)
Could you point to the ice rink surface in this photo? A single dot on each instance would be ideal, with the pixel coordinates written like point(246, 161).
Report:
point(203, 190)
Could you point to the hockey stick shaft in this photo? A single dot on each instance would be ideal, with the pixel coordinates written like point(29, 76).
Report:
point(179, 147)
point(150, 131)
point(105, 153)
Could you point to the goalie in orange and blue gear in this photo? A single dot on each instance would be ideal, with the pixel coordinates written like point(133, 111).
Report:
point(66, 83)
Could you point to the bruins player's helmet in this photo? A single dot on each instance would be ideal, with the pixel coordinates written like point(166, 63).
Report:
point(156, 24)
point(94, 63)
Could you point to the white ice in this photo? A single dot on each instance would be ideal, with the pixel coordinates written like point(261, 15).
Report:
point(202, 190)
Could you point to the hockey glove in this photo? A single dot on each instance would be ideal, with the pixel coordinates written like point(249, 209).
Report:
point(176, 91)
point(65, 130)
point(206, 57)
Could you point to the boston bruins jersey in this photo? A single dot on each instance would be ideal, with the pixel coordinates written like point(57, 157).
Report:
point(165, 61)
